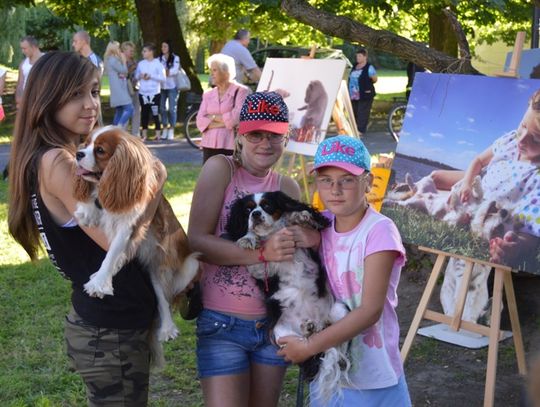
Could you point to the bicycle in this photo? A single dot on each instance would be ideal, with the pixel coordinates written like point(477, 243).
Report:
point(192, 133)
point(396, 115)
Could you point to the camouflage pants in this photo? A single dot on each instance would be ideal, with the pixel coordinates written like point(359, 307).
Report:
point(113, 363)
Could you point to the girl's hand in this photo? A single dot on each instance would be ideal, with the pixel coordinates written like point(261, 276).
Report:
point(294, 349)
point(280, 246)
point(503, 250)
point(305, 237)
point(465, 193)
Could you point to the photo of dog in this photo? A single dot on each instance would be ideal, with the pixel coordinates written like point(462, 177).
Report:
point(297, 297)
point(467, 170)
point(312, 87)
point(310, 125)
point(116, 180)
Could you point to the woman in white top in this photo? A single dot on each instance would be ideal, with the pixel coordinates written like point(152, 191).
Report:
point(116, 69)
point(2, 83)
point(169, 92)
point(150, 74)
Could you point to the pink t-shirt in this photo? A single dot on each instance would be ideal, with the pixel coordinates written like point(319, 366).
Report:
point(376, 361)
point(229, 107)
point(231, 289)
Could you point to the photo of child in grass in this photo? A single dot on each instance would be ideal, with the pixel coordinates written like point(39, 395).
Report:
point(467, 169)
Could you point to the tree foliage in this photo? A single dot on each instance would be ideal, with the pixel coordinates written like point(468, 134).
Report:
point(92, 15)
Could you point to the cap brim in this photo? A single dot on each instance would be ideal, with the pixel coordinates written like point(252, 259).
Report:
point(259, 125)
point(353, 169)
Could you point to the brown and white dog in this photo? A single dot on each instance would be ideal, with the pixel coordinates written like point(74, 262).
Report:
point(116, 180)
point(298, 300)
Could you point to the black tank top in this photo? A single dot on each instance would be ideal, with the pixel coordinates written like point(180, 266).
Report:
point(76, 256)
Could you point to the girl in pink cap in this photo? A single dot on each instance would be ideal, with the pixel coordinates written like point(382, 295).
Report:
point(238, 365)
point(363, 256)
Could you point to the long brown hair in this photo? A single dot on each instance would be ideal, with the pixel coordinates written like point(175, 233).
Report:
point(52, 83)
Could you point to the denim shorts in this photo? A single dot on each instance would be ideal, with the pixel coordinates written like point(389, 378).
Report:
point(227, 345)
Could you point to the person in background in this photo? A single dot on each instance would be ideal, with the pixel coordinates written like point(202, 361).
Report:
point(361, 89)
point(128, 49)
point(3, 73)
point(247, 70)
point(237, 363)
point(107, 339)
point(31, 51)
point(150, 74)
point(169, 93)
point(116, 68)
point(412, 70)
point(363, 255)
point(81, 44)
point(220, 108)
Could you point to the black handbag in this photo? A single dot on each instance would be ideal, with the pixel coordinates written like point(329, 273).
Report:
point(190, 305)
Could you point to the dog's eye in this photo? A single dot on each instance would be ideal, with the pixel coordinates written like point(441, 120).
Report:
point(100, 150)
point(268, 208)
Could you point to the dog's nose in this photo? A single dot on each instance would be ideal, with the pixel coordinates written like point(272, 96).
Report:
point(256, 214)
point(79, 155)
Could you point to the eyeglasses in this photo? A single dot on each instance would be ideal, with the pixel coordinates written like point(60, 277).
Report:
point(345, 183)
point(256, 138)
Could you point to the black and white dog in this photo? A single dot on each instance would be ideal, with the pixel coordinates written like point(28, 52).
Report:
point(298, 300)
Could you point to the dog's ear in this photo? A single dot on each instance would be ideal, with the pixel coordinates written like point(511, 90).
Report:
point(126, 179)
point(288, 204)
point(237, 224)
point(82, 189)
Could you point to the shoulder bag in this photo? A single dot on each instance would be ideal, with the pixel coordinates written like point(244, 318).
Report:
point(183, 84)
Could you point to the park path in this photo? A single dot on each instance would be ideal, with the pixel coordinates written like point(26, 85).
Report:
point(179, 151)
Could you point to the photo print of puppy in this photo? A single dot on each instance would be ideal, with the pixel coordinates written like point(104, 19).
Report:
point(309, 88)
point(310, 126)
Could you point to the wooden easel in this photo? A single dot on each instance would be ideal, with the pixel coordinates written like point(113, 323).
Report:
point(512, 71)
point(503, 279)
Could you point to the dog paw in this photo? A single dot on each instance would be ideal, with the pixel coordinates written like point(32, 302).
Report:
point(86, 219)
point(98, 287)
point(247, 243)
point(308, 328)
point(167, 333)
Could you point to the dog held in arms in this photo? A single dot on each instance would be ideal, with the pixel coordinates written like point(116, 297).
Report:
point(116, 180)
point(297, 297)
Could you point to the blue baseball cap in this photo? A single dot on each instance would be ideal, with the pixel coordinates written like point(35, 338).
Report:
point(264, 111)
point(345, 152)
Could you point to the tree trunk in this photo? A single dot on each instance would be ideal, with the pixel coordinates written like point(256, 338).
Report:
point(354, 31)
point(441, 33)
point(159, 22)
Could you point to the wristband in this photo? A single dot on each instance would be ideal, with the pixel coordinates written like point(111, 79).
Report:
point(262, 259)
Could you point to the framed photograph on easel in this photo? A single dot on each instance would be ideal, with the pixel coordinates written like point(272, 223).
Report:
point(452, 120)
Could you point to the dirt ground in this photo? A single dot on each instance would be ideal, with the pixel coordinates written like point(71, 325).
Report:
point(441, 374)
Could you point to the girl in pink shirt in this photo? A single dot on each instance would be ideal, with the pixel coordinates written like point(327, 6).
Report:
point(363, 256)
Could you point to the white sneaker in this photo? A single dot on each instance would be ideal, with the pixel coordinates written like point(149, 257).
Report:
point(163, 134)
point(170, 134)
